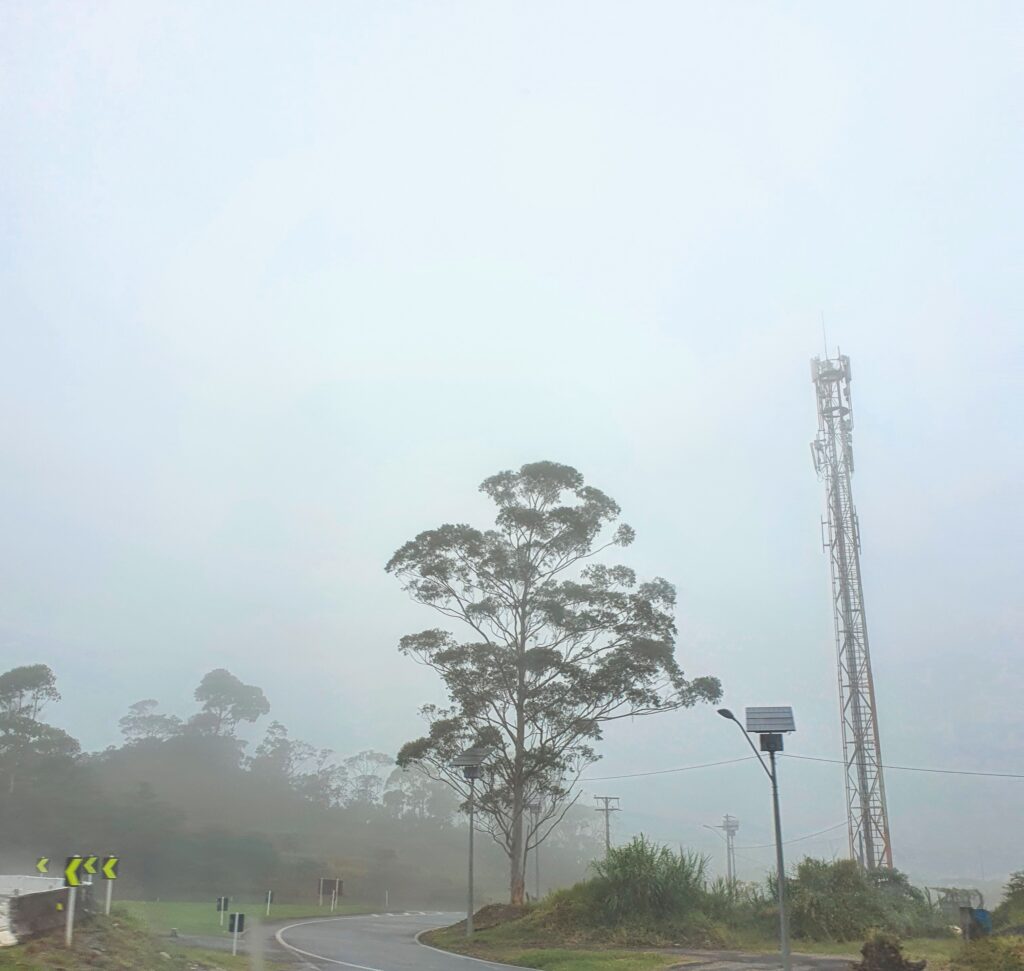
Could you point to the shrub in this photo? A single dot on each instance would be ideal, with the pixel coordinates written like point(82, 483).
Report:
point(644, 881)
point(832, 900)
point(1011, 910)
point(991, 954)
point(837, 900)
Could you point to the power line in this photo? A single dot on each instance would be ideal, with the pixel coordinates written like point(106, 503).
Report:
point(798, 839)
point(803, 758)
point(682, 768)
point(915, 768)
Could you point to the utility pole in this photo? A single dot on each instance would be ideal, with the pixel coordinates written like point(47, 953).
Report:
point(730, 826)
point(609, 805)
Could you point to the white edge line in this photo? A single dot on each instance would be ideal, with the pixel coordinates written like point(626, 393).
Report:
point(319, 957)
point(466, 957)
point(362, 967)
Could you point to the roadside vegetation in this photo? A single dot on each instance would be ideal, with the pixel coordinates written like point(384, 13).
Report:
point(119, 943)
point(646, 896)
point(194, 810)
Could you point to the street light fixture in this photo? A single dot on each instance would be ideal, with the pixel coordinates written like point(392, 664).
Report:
point(770, 724)
point(534, 807)
point(471, 762)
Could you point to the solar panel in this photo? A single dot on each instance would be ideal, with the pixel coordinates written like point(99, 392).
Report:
point(473, 756)
point(770, 720)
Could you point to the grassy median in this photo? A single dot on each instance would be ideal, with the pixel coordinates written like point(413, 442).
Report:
point(499, 943)
point(200, 918)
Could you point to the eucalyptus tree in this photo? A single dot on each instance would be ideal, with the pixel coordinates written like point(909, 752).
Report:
point(26, 741)
point(551, 645)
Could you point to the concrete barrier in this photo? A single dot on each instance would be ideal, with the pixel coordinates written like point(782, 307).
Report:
point(34, 905)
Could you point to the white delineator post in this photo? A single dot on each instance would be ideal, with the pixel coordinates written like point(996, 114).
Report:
point(270, 896)
point(69, 921)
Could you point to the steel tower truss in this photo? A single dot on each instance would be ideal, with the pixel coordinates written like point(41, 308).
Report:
point(867, 816)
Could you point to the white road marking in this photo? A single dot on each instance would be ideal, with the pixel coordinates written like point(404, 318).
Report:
point(466, 957)
point(309, 954)
point(362, 967)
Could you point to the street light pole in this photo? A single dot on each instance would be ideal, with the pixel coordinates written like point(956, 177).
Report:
point(471, 762)
point(535, 808)
point(469, 896)
point(769, 723)
point(780, 868)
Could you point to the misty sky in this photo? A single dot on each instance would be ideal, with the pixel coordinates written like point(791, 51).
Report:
point(282, 283)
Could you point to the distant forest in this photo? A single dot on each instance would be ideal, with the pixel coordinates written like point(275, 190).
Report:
point(193, 813)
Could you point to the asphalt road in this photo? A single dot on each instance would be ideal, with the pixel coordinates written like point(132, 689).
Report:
point(376, 942)
point(387, 942)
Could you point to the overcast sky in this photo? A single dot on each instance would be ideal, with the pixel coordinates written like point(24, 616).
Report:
point(282, 283)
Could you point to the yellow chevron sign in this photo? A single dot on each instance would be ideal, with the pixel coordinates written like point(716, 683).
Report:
point(110, 867)
point(41, 864)
point(89, 864)
point(71, 865)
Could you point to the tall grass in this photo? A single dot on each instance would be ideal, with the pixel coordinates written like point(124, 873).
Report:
point(643, 880)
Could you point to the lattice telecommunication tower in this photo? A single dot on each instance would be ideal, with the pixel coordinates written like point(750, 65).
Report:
point(867, 816)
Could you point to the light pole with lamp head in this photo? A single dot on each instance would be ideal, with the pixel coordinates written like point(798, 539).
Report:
point(770, 723)
point(471, 762)
point(534, 808)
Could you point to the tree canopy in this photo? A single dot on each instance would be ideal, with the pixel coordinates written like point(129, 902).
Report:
point(554, 645)
point(227, 701)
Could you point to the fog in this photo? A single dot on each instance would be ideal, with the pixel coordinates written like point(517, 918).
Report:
point(283, 285)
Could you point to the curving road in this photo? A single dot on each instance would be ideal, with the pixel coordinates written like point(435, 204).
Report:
point(374, 942)
point(387, 942)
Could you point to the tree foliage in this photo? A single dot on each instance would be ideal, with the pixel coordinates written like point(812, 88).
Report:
point(27, 744)
point(1010, 911)
point(26, 690)
point(226, 701)
point(557, 645)
point(143, 721)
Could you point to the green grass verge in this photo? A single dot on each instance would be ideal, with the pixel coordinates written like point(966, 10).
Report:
point(114, 943)
point(492, 945)
point(553, 959)
point(938, 950)
point(201, 917)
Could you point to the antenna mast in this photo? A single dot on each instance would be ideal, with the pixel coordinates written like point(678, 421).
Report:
point(867, 816)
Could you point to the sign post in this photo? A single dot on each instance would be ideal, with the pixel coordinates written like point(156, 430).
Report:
point(320, 892)
point(109, 871)
point(223, 904)
point(236, 924)
point(270, 897)
point(72, 881)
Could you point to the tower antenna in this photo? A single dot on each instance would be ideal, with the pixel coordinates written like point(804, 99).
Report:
point(832, 450)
